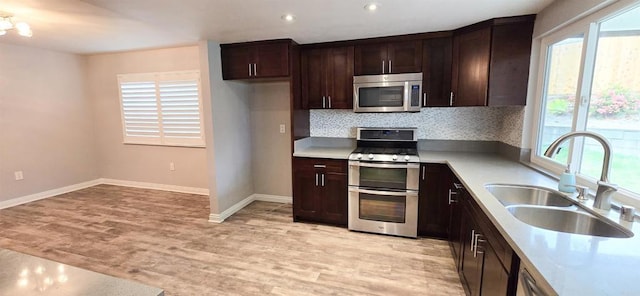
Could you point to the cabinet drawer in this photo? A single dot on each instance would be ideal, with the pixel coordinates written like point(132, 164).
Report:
point(335, 166)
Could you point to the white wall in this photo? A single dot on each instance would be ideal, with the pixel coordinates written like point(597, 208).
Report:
point(271, 150)
point(141, 163)
point(230, 107)
point(563, 12)
point(46, 126)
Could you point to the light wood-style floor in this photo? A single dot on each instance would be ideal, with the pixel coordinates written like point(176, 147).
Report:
point(163, 239)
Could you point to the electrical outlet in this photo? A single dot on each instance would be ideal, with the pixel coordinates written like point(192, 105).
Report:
point(18, 175)
point(282, 128)
point(172, 167)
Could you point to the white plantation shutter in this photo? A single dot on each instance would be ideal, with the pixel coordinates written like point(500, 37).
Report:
point(162, 108)
point(140, 109)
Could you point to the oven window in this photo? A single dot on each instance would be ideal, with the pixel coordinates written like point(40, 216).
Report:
point(382, 208)
point(389, 96)
point(383, 178)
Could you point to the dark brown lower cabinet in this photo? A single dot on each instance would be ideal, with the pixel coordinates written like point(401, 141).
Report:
point(486, 263)
point(433, 200)
point(320, 190)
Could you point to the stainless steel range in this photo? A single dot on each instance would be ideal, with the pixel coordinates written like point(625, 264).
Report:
point(383, 182)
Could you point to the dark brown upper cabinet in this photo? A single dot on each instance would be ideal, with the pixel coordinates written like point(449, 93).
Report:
point(327, 78)
point(491, 62)
point(388, 58)
point(260, 59)
point(436, 72)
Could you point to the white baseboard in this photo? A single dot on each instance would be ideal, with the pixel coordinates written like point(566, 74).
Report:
point(219, 218)
point(156, 186)
point(46, 194)
point(273, 198)
point(215, 218)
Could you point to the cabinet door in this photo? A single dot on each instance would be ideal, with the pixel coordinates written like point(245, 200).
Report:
point(471, 261)
point(455, 226)
point(510, 58)
point(305, 189)
point(471, 54)
point(404, 57)
point(433, 207)
point(340, 77)
point(369, 59)
point(436, 72)
point(272, 60)
point(235, 62)
point(314, 86)
point(495, 280)
point(334, 199)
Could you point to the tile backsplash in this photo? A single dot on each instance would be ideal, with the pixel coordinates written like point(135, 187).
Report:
point(502, 124)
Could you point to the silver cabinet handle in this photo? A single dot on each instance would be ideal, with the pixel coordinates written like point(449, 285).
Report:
point(255, 70)
point(382, 66)
point(451, 194)
point(451, 99)
point(473, 239)
point(424, 99)
point(389, 67)
point(320, 166)
point(322, 180)
point(423, 169)
point(249, 69)
point(316, 179)
point(475, 249)
point(323, 102)
point(329, 101)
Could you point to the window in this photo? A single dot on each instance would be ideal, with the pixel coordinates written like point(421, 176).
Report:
point(162, 108)
point(591, 82)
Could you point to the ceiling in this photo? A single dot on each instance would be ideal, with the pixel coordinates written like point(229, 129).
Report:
point(96, 26)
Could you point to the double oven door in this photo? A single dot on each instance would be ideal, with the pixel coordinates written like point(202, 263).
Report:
point(383, 197)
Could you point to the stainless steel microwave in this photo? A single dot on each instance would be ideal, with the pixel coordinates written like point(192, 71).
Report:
point(387, 93)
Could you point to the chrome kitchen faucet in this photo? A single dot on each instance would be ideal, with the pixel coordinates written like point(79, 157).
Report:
point(605, 189)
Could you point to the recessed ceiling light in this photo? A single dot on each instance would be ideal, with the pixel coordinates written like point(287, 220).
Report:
point(288, 18)
point(371, 6)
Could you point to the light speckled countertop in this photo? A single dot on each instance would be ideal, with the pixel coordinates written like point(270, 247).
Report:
point(26, 275)
point(572, 264)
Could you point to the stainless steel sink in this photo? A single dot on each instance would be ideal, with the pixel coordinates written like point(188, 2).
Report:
point(571, 221)
point(509, 194)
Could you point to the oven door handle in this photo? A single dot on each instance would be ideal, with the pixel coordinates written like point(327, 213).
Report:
point(384, 165)
point(379, 192)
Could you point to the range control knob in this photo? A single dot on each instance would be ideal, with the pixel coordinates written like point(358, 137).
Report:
point(394, 157)
point(359, 156)
point(370, 156)
point(407, 158)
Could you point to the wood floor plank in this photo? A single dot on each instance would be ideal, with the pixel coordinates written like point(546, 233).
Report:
point(163, 239)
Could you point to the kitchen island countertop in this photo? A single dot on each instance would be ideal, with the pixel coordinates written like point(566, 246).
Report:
point(26, 275)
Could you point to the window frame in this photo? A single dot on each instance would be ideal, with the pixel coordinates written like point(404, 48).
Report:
point(589, 25)
point(158, 78)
